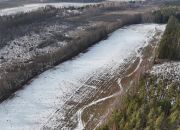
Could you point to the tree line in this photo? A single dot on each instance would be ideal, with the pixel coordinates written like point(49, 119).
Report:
point(169, 47)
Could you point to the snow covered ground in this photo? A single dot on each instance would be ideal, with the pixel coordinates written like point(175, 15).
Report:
point(32, 107)
point(24, 48)
point(33, 7)
point(167, 70)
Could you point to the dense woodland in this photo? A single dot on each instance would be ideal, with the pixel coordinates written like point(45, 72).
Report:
point(154, 106)
point(163, 15)
point(170, 44)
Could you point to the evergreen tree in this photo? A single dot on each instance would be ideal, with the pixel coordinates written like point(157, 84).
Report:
point(170, 44)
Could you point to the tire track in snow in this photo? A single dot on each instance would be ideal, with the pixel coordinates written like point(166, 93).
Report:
point(138, 55)
point(50, 100)
point(81, 125)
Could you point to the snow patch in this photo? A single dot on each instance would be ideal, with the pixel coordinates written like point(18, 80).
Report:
point(168, 70)
point(38, 101)
point(24, 48)
point(33, 7)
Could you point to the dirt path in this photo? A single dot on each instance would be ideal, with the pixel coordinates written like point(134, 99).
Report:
point(143, 62)
point(82, 89)
point(81, 124)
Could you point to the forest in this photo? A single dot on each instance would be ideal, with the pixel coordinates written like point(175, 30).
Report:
point(154, 106)
point(155, 103)
point(170, 43)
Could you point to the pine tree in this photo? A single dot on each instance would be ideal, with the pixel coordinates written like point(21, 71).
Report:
point(170, 44)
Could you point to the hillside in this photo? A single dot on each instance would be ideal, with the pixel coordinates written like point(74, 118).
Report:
point(154, 104)
point(80, 67)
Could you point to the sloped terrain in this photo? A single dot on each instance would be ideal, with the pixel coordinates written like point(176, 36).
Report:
point(52, 100)
point(153, 104)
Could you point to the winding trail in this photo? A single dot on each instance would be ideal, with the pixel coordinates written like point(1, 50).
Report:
point(52, 100)
point(81, 125)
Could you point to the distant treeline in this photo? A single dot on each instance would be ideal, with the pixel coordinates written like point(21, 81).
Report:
point(83, 1)
point(172, 2)
point(163, 15)
point(14, 3)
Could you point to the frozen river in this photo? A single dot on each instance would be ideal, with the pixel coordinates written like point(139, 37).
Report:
point(33, 7)
point(35, 106)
